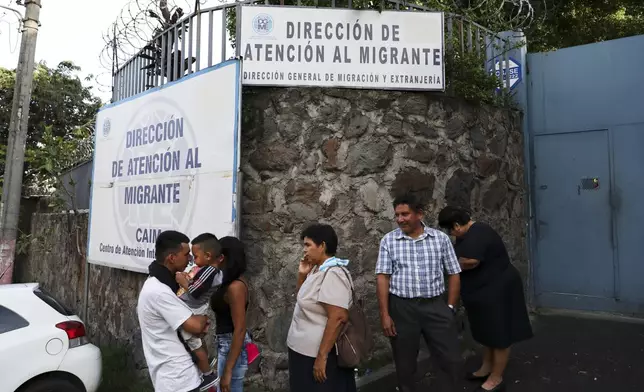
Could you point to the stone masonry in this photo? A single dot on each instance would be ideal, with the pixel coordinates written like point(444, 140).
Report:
point(308, 155)
point(340, 156)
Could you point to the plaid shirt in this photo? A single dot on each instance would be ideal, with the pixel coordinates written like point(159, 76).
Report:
point(416, 265)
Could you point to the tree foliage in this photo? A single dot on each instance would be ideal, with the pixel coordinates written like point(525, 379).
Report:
point(61, 118)
point(565, 23)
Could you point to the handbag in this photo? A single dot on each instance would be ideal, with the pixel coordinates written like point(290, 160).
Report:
point(354, 341)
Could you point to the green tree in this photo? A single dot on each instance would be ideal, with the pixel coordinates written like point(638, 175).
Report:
point(565, 23)
point(61, 118)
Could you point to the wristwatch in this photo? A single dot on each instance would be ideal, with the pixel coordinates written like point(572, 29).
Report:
point(452, 308)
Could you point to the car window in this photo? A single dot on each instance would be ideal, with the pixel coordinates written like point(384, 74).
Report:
point(53, 302)
point(10, 320)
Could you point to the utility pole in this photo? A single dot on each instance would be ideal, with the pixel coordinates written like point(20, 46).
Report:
point(15, 158)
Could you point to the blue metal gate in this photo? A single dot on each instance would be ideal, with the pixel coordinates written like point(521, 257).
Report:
point(586, 125)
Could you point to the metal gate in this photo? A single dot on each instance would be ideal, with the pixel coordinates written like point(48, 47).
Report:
point(586, 123)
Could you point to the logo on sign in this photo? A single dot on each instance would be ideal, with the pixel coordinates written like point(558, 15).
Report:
point(138, 217)
point(107, 125)
point(263, 24)
point(501, 72)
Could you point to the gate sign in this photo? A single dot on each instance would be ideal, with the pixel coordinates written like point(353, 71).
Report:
point(515, 72)
point(331, 47)
point(166, 159)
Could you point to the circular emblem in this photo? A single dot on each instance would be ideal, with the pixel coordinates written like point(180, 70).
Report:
point(263, 24)
point(107, 125)
point(160, 215)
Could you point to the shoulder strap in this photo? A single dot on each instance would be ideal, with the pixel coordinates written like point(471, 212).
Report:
point(346, 273)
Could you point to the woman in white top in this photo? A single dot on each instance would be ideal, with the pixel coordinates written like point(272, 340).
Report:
point(323, 300)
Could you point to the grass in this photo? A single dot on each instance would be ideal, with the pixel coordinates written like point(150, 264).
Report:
point(120, 374)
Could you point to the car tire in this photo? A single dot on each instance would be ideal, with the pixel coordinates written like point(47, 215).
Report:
point(52, 385)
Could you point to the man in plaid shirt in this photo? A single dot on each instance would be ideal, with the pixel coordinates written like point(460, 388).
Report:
point(412, 263)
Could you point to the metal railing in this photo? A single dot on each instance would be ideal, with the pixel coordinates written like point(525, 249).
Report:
point(189, 45)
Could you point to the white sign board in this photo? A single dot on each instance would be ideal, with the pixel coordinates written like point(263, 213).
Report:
point(165, 160)
point(332, 47)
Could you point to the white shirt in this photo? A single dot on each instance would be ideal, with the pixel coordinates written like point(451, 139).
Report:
point(309, 318)
point(161, 313)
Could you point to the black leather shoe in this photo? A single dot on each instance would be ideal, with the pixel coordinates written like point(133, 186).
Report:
point(498, 388)
point(472, 377)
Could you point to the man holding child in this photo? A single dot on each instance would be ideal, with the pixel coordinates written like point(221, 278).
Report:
point(171, 326)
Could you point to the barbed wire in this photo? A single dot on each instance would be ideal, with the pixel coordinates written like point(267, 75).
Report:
point(505, 14)
point(133, 29)
point(141, 20)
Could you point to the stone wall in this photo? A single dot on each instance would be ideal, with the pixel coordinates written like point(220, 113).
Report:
point(339, 156)
point(335, 156)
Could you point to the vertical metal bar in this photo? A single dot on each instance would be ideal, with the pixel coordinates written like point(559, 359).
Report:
point(198, 48)
point(398, 5)
point(469, 37)
point(349, 5)
point(117, 87)
point(175, 48)
point(114, 88)
point(382, 5)
point(238, 15)
point(316, 2)
point(140, 80)
point(130, 78)
point(143, 74)
point(132, 67)
point(192, 20)
point(149, 76)
point(210, 30)
point(135, 79)
point(126, 74)
point(299, 3)
point(333, 3)
point(164, 58)
point(182, 62)
point(124, 81)
point(121, 84)
point(223, 35)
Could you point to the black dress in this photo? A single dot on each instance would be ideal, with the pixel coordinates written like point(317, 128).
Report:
point(492, 292)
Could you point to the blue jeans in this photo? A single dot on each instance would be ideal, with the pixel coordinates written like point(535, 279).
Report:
point(224, 342)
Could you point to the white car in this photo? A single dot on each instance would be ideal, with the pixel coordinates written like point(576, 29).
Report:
point(43, 346)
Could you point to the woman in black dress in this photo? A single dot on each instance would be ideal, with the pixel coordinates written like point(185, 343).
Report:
point(492, 293)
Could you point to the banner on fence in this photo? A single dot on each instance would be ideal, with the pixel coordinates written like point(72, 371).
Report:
point(165, 160)
point(332, 47)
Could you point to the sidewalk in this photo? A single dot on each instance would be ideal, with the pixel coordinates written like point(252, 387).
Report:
point(567, 354)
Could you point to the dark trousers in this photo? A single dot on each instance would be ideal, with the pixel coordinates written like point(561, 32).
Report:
point(300, 372)
point(434, 320)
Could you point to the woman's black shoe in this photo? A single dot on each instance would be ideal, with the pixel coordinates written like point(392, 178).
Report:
point(498, 388)
point(473, 377)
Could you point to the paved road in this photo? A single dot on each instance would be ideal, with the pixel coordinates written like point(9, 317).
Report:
point(567, 354)
point(573, 354)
